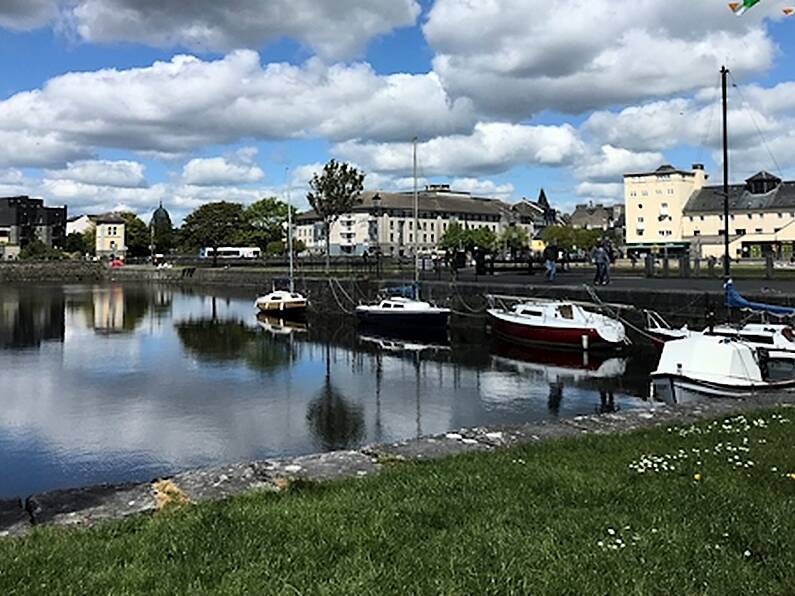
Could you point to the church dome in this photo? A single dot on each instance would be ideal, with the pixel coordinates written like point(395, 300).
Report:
point(161, 218)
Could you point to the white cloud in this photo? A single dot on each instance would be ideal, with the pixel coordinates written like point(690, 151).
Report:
point(122, 173)
point(491, 148)
point(483, 187)
point(604, 190)
point(572, 56)
point(334, 30)
point(222, 171)
point(173, 108)
point(610, 163)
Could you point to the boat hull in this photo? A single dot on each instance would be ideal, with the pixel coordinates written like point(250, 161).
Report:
point(571, 338)
point(399, 321)
point(676, 389)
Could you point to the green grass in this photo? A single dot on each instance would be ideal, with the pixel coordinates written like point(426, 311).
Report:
point(525, 521)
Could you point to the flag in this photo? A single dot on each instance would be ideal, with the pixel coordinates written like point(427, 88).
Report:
point(740, 8)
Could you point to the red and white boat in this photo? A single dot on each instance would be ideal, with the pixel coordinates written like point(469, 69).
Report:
point(557, 324)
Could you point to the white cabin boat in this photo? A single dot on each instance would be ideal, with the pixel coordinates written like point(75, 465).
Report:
point(557, 324)
point(282, 302)
point(707, 366)
point(402, 314)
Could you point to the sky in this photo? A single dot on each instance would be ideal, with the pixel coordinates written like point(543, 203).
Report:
point(123, 104)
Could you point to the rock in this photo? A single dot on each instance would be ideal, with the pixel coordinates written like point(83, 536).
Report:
point(321, 467)
point(14, 520)
point(215, 484)
point(85, 506)
point(453, 436)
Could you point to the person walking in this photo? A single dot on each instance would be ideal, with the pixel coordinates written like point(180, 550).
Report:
point(550, 261)
point(601, 259)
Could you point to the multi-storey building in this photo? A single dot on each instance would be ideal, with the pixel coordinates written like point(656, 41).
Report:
point(673, 210)
point(654, 205)
point(384, 221)
point(23, 220)
point(109, 229)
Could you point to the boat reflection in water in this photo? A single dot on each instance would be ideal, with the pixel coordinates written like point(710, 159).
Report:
point(390, 343)
point(278, 326)
point(559, 369)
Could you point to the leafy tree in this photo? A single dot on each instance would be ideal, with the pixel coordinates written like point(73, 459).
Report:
point(275, 247)
point(515, 239)
point(90, 240)
point(457, 237)
point(568, 238)
point(213, 225)
point(333, 193)
point(136, 235)
point(162, 230)
point(265, 221)
point(36, 250)
point(76, 243)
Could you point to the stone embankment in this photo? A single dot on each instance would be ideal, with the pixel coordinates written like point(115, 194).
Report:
point(86, 506)
point(52, 271)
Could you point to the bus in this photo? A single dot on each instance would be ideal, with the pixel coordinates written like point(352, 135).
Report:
point(232, 252)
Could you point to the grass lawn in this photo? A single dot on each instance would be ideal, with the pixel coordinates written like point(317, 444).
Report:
point(707, 509)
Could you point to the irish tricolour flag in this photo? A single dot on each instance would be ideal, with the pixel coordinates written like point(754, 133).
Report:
point(740, 8)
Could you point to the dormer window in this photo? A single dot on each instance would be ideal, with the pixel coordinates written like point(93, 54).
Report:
point(762, 183)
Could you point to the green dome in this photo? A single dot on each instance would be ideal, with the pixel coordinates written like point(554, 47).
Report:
point(161, 218)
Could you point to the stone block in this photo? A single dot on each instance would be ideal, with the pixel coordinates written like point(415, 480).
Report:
point(322, 467)
point(215, 484)
point(14, 520)
point(85, 506)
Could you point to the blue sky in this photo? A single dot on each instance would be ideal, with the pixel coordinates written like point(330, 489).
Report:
point(111, 104)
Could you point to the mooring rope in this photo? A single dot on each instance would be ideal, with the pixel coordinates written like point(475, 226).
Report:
point(336, 298)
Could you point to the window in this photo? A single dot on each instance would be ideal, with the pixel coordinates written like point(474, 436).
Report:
point(645, 193)
point(691, 218)
point(664, 206)
point(670, 191)
point(702, 218)
point(640, 205)
point(740, 232)
point(781, 216)
point(640, 219)
point(750, 216)
point(731, 216)
point(758, 230)
point(720, 232)
point(639, 232)
point(696, 232)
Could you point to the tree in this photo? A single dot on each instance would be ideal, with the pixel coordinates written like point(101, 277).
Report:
point(265, 221)
point(453, 237)
point(76, 243)
point(333, 193)
point(90, 240)
point(213, 225)
point(482, 238)
point(568, 238)
point(136, 235)
point(456, 237)
point(515, 239)
point(161, 230)
point(37, 250)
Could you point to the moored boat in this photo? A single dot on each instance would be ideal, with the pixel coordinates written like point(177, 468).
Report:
point(558, 324)
point(282, 302)
point(403, 313)
point(707, 366)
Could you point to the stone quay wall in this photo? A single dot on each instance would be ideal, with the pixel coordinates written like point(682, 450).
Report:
point(52, 271)
point(84, 507)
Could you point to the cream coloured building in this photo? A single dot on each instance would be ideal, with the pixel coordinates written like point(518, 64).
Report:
point(654, 205)
point(673, 210)
point(110, 236)
point(385, 221)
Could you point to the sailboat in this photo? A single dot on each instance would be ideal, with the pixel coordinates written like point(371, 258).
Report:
point(285, 303)
point(407, 312)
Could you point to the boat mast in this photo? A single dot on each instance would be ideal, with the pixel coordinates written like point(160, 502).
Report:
point(726, 264)
point(416, 224)
point(289, 233)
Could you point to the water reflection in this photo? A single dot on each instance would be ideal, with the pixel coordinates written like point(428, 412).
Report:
point(142, 381)
point(335, 422)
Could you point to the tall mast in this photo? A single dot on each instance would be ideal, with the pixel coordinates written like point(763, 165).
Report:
point(726, 264)
point(416, 220)
point(289, 232)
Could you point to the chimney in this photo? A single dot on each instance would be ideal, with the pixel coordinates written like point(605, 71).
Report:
point(698, 166)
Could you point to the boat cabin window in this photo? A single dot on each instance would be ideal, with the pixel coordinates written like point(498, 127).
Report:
point(397, 306)
point(295, 296)
point(788, 334)
point(566, 311)
point(386, 305)
point(532, 313)
point(276, 298)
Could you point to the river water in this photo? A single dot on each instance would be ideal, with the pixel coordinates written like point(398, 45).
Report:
point(120, 383)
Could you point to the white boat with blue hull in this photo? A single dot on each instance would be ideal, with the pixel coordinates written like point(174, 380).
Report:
point(703, 366)
point(403, 313)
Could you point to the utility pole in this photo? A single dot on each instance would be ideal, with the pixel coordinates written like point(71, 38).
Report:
point(416, 222)
point(724, 72)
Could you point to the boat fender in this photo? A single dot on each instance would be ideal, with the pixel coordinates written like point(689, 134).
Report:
point(585, 342)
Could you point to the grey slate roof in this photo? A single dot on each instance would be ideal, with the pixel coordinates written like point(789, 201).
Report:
point(433, 202)
point(710, 199)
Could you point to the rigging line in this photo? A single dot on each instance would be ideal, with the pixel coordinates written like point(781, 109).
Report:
point(708, 131)
point(758, 129)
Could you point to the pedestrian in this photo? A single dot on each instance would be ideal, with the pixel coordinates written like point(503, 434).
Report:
point(601, 259)
point(550, 261)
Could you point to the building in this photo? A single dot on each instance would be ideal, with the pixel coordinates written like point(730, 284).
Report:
point(654, 205)
point(23, 220)
point(384, 221)
point(673, 210)
point(110, 236)
point(761, 219)
point(597, 217)
point(110, 233)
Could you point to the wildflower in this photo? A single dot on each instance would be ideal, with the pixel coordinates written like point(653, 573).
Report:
point(696, 476)
point(600, 544)
point(611, 531)
point(747, 553)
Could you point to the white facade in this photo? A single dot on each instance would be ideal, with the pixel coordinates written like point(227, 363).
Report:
point(388, 224)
